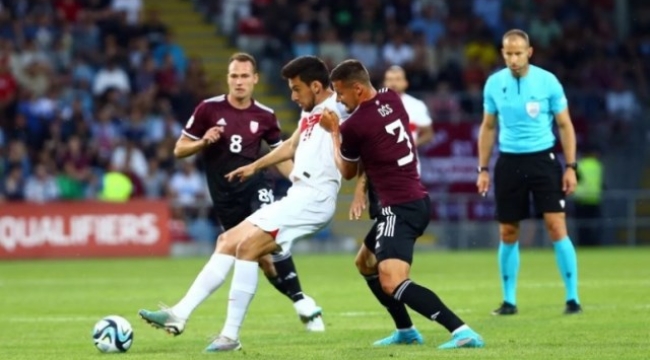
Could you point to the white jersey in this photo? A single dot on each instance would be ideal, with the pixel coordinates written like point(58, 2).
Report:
point(314, 159)
point(418, 114)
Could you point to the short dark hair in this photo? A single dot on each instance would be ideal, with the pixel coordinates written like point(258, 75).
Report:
point(308, 69)
point(244, 57)
point(350, 70)
point(518, 33)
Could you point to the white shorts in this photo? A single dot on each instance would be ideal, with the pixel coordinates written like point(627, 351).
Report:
point(304, 211)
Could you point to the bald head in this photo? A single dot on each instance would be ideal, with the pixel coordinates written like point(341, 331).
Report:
point(395, 79)
point(516, 51)
point(515, 35)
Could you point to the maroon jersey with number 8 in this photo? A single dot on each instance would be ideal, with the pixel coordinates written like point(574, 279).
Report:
point(240, 142)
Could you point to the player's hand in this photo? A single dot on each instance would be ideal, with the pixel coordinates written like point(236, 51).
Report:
point(569, 181)
point(483, 183)
point(213, 134)
point(329, 121)
point(242, 173)
point(359, 204)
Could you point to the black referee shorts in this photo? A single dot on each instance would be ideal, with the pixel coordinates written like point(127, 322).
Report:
point(517, 176)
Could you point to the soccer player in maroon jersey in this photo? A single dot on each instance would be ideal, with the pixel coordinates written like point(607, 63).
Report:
point(376, 137)
point(229, 129)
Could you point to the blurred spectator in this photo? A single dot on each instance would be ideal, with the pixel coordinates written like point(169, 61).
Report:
point(429, 23)
point(331, 49)
point(187, 186)
point(362, 47)
point(544, 29)
point(41, 187)
point(128, 157)
point(302, 42)
point(115, 186)
point(13, 186)
point(167, 51)
point(111, 76)
point(397, 51)
point(132, 8)
point(155, 180)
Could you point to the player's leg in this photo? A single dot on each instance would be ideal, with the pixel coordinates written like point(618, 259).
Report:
point(366, 262)
point(271, 229)
point(546, 185)
point(398, 228)
point(280, 271)
point(283, 275)
point(512, 202)
point(211, 277)
point(255, 244)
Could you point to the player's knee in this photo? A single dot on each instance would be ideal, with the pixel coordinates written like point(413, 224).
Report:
point(266, 264)
point(244, 249)
point(509, 232)
point(390, 283)
point(555, 225)
point(226, 244)
point(362, 266)
point(391, 274)
point(365, 262)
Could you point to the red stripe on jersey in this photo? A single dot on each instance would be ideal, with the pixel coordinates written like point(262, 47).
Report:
point(274, 233)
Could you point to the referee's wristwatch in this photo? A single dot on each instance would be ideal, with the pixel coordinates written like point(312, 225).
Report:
point(573, 165)
point(480, 169)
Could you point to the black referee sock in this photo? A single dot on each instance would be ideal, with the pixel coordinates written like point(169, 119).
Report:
point(396, 309)
point(427, 303)
point(287, 281)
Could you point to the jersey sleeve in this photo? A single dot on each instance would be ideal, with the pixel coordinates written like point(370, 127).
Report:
point(196, 125)
point(558, 100)
point(421, 116)
point(489, 105)
point(273, 134)
point(349, 144)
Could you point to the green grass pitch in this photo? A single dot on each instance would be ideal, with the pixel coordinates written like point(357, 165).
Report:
point(48, 309)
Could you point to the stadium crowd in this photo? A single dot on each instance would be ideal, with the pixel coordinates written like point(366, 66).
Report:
point(91, 89)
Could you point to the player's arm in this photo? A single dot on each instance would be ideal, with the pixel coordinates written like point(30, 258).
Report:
point(349, 168)
point(487, 131)
point(343, 155)
point(196, 136)
point(359, 201)
point(560, 108)
point(186, 146)
point(486, 138)
point(281, 155)
point(567, 135)
point(425, 128)
point(425, 134)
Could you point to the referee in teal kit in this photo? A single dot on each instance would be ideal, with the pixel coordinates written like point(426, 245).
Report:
point(524, 100)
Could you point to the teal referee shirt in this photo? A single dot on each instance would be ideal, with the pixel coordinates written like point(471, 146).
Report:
point(525, 108)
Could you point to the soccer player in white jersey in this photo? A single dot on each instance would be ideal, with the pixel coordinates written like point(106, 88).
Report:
point(308, 207)
point(419, 119)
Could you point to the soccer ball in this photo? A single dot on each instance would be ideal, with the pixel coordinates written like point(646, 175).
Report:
point(113, 334)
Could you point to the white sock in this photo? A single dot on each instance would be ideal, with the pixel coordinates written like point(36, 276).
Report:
point(242, 290)
point(462, 328)
point(214, 273)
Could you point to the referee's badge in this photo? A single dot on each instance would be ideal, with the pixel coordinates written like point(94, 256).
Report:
point(532, 108)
